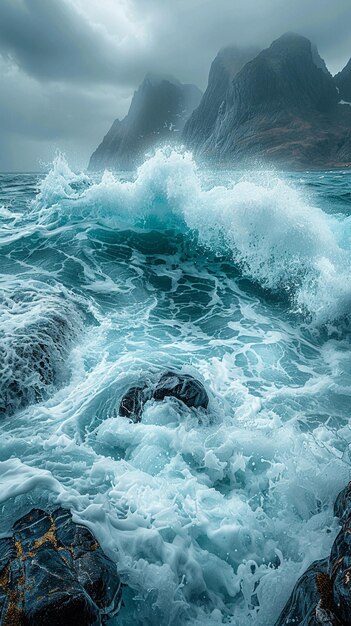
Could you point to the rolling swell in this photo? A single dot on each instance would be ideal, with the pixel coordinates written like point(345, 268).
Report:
point(39, 326)
point(265, 228)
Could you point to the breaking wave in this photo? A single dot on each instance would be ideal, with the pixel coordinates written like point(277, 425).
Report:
point(265, 227)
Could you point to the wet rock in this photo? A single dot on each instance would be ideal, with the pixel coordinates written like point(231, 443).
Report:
point(340, 557)
point(183, 387)
point(342, 506)
point(302, 604)
point(322, 596)
point(133, 401)
point(53, 572)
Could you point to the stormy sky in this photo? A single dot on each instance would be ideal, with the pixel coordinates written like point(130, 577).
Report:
point(69, 67)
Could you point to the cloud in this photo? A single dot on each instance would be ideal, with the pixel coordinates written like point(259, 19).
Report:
point(55, 40)
point(37, 119)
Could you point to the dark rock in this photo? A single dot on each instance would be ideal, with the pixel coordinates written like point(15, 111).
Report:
point(322, 596)
point(53, 572)
point(133, 401)
point(342, 506)
point(183, 387)
point(158, 112)
point(301, 606)
point(340, 557)
point(343, 82)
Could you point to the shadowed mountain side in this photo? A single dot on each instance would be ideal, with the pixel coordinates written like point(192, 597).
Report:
point(228, 62)
point(343, 82)
point(281, 108)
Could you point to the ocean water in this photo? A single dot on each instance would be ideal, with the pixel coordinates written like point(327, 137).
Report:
point(239, 278)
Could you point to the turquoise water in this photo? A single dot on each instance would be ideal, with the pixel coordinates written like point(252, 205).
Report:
point(241, 279)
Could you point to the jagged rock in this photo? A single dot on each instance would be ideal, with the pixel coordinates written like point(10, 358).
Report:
point(280, 108)
point(322, 596)
point(183, 387)
point(133, 401)
point(301, 606)
point(343, 82)
point(53, 572)
point(340, 557)
point(342, 506)
point(158, 112)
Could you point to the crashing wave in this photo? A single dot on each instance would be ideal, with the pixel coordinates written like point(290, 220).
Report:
point(266, 227)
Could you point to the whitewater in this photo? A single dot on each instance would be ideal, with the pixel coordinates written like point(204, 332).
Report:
point(241, 279)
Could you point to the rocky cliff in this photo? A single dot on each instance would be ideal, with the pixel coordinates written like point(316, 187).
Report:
point(158, 112)
point(228, 62)
point(343, 82)
point(281, 108)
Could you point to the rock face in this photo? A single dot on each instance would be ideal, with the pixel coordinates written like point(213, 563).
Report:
point(224, 68)
point(343, 82)
point(53, 572)
point(280, 108)
point(301, 607)
point(322, 596)
point(183, 387)
point(133, 401)
point(158, 112)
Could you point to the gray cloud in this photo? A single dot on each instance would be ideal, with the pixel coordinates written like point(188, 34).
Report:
point(53, 40)
point(69, 67)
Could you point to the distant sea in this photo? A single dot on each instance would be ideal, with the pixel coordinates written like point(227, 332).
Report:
point(242, 279)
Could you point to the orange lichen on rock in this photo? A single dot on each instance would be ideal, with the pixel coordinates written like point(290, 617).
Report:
point(49, 536)
point(325, 588)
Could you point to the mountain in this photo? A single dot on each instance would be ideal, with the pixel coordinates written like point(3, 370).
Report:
point(228, 62)
point(158, 112)
point(280, 108)
point(343, 82)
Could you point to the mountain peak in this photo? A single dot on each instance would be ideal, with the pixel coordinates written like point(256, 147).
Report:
point(158, 111)
point(228, 62)
point(277, 106)
point(156, 79)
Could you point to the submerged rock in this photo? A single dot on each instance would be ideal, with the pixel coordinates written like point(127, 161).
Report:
point(53, 572)
point(183, 387)
point(322, 596)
